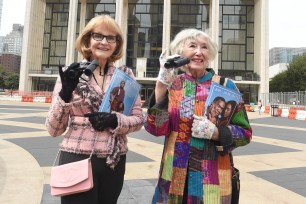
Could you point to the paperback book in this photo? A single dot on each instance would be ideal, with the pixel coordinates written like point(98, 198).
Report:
point(121, 94)
point(221, 104)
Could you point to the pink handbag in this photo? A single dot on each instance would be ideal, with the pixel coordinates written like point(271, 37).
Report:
point(71, 178)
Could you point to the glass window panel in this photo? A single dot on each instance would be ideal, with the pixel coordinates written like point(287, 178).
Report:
point(45, 54)
point(228, 10)
point(46, 40)
point(110, 7)
point(141, 8)
point(60, 48)
point(250, 14)
point(234, 22)
point(62, 19)
point(250, 30)
point(239, 65)
point(227, 65)
point(56, 33)
point(250, 45)
point(47, 26)
point(232, 1)
point(228, 36)
point(250, 62)
point(225, 22)
point(240, 37)
point(240, 10)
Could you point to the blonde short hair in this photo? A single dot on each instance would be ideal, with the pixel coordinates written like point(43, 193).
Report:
point(192, 34)
point(82, 42)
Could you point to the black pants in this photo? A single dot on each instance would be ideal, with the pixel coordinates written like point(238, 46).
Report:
point(107, 182)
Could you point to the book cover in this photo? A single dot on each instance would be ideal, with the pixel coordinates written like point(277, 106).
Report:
point(121, 94)
point(221, 104)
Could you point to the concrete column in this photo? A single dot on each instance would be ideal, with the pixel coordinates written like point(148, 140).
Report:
point(121, 19)
point(71, 34)
point(166, 25)
point(214, 29)
point(261, 51)
point(82, 23)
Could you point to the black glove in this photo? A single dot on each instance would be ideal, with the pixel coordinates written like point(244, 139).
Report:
point(102, 120)
point(69, 83)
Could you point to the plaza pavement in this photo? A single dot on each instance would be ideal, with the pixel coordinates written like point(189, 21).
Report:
point(272, 166)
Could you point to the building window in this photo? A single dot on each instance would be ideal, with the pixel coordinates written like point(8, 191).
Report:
point(55, 34)
point(236, 39)
point(145, 32)
point(189, 14)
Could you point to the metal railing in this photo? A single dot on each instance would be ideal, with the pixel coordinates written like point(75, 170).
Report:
point(289, 99)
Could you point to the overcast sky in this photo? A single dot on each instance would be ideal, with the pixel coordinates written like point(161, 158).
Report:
point(287, 21)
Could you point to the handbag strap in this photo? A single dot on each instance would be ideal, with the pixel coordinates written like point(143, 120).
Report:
point(92, 151)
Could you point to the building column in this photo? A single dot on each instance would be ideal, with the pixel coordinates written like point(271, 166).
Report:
point(166, 25)
point(121, 19)
point(71, 33)
point(214, 30)
point(82, 23)
point(261, 39)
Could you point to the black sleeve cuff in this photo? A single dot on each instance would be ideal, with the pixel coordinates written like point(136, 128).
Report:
point(225, 136)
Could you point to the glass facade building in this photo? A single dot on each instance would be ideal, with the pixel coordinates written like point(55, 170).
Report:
point(149, 26)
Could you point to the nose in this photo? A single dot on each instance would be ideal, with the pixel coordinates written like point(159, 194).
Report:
point(104, 40)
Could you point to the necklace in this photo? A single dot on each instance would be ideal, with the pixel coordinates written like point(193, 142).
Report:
point(100, 73)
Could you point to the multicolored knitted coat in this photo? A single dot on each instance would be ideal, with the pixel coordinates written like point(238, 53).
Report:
point(192, 161)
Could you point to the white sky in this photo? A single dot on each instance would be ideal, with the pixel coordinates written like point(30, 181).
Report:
point(287, 21)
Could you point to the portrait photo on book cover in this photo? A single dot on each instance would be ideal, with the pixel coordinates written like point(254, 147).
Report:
point(221, 104)
point(121, 94)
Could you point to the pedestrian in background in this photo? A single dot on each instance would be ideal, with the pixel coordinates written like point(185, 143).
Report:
point(192, 169)
point(259, 105)
point(75, 103)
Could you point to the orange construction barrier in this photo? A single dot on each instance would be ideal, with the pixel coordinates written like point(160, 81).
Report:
point(247, 108)
point(267, 109)
point(292, 113)
point(48, 100)
point(279, 112)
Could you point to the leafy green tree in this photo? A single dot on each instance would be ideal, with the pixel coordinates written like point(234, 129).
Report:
point(293, 79)
point(8, 79)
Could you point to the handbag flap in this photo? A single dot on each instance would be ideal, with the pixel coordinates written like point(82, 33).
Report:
point(69, 174)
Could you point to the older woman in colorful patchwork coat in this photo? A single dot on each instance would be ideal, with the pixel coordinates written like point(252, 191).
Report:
point(196, 162)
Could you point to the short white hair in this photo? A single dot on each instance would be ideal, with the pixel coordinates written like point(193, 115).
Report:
point(192, 34)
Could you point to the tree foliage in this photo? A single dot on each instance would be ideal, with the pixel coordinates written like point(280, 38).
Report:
point(8, 79)
point(293, 79)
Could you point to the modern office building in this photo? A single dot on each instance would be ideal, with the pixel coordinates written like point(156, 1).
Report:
point(240, 28)
point(279, 55)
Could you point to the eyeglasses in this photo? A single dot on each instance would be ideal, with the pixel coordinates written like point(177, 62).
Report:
point(100, 37)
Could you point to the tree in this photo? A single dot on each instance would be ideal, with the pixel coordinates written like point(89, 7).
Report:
point(8, 79)
point(293, 79)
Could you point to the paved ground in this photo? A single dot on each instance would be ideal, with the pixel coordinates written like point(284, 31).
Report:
point(273, 166)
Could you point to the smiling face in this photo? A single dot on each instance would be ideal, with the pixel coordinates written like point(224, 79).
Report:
point(102, 49)
point(228, 110)
point(197, 51)
point(217, 108)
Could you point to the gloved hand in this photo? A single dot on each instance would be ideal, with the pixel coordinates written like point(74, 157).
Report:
point(166, 76)
point(68, 83)
point(202, 127)
point(102, 120)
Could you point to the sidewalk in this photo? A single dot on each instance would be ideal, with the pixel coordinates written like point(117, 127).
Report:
point(27, 153)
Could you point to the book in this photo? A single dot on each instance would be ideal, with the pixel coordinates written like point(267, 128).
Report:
point(121, 94)
point(221, 104)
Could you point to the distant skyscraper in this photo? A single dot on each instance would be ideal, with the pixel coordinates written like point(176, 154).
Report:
point(12, 42)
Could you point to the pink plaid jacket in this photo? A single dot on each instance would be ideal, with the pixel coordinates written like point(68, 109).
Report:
point(80, 135)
